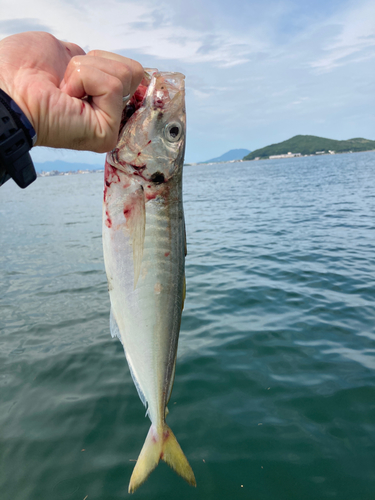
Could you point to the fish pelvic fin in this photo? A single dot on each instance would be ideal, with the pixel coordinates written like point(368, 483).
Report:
point(160, 444)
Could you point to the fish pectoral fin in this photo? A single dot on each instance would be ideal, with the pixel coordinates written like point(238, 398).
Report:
point(160, 444)
point(136, 224)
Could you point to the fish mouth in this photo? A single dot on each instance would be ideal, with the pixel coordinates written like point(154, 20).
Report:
point(137, 98)
point(158, 93)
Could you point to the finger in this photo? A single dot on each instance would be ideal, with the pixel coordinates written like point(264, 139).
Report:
point(137, 71)
point(101, 117)
point(73, 49)
point(111, 67)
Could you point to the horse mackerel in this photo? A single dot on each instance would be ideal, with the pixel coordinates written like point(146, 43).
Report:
point(144, 245)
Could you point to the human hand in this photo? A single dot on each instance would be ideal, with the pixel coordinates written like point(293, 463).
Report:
point(72, 99)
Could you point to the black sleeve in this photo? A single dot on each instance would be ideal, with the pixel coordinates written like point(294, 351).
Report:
point(17, 137)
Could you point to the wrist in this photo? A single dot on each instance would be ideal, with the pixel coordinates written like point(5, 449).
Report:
point(14, 81)
point(19, 117)
point(17, 137)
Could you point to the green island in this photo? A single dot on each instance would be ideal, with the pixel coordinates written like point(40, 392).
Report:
point(301, 145)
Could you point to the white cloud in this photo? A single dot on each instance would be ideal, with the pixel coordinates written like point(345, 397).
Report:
point(114, 25)
point(200, 95)
point(254, 76)
point(357, 35)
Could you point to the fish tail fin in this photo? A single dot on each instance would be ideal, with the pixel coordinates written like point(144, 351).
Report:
point(175, 458)
point(160, 445)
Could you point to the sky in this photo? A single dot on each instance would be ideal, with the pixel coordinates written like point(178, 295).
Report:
point(257, 73)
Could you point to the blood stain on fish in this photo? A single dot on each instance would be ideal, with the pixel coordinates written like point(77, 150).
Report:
point(108, 221)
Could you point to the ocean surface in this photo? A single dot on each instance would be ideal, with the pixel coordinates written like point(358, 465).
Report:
point(274, 396)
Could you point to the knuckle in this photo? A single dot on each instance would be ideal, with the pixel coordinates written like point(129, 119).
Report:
point(75, 61)
point(76, 48)
point(92, 53)
point(138, 71)
point(115, 85)
point(47, 38)
point(125, 73)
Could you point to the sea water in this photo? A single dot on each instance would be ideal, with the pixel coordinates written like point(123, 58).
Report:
point(274, 396)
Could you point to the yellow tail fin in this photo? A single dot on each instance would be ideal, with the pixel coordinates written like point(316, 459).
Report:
point(160, 445)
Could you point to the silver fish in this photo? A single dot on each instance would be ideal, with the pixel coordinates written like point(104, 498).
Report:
point(144, 245)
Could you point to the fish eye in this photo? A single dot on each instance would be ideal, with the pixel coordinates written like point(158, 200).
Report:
point(173, 131)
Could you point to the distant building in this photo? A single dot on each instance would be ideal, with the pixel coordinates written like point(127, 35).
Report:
point(50, 174)
point(320, 152)
point(289, 155)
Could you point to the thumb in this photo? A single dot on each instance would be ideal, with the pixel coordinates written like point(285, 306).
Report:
point(95, 121)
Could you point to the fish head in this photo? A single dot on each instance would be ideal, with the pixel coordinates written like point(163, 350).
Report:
point(151, 145)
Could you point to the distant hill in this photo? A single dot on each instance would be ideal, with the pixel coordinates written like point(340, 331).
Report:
point(310, 144)
point(64, 166)
point(233, 154)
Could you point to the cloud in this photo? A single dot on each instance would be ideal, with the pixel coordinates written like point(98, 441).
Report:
point(12, 26)
point(355, 40)
point(257, 72)
point(163, 33)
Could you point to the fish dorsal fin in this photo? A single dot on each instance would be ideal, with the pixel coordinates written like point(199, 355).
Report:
point(171, 385)
point(185, 239)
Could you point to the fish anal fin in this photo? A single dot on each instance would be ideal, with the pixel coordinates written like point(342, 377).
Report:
point(141, 394)
point(160, 444)
point(115, 332)
point(113, 326)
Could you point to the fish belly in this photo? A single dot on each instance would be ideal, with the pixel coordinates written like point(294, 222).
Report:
point(148, 312)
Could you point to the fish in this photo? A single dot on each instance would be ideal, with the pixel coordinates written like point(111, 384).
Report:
point(144, 246)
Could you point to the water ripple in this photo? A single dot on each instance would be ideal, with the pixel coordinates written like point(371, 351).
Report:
point(274, 385)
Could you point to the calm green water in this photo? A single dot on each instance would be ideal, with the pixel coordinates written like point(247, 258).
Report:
point(274, 396)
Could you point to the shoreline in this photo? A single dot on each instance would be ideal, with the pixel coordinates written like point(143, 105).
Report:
point(57, 173)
